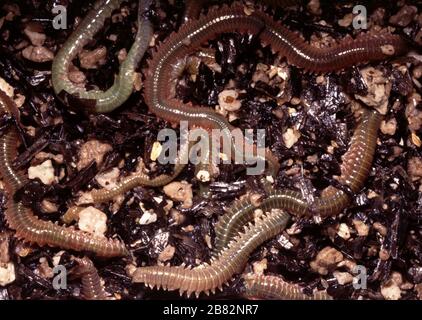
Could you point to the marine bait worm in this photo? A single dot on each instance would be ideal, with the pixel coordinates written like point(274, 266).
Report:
point(119, 92)
point(138, 179)
point(142, 179)
point(92, 289)
point(159, 89)
point(208, 277)
point(272, 287)
point(355, 167)
point(21, 219)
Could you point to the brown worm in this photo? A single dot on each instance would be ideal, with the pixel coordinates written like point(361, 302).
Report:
point(119, 92)
point(208, 277)
point(142, 179)
point(272, 287)
point(92, 289)
point(355, 167)
point(29, 227)
point(159, 86)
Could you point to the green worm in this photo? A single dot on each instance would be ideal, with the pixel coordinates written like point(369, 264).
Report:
point(96, 100)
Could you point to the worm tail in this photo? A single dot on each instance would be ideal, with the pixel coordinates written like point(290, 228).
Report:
point(272, 287)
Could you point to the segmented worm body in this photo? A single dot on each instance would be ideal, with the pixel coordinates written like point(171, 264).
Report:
point(272, 287)
point(92, 289)
point(159, 89)
point(142, 179)
point(119, 92)
point(206, 278)
point(139, 179)
point(25, 223)
point(355, 167)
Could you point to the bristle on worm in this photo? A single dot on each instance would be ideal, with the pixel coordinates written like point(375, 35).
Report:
point(159, 88)
point(208, 277)
point(357, 162)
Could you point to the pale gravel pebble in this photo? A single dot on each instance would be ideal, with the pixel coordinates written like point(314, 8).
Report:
point(260, 266)
point(92, 150)
point(389, 127)
point(44, 172)
point(290, 137)
point(379, 88)
point(148, 217)
point(327, 259)
point(344, 231)
point(93, 221)
point(343, 277)
point(390, 289)
point(77, 77)
point(180, 191)
point(167, 254)
point(36, 38)
point(37, 54)
point(7, 273)
point(48, 206)
point(6, 88)
point(380, 228)
point(44, 270)
point(413, 112)
point(109, 178)
point(227, 100)
point(361, 228)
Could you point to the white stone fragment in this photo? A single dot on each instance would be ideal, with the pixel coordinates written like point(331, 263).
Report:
point(148, 218)
point(93, 221)
point(44, 171)
point(343, 231)
point(290, 137)
point(227, 100)
point(7, 273)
